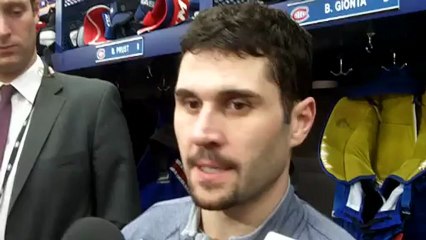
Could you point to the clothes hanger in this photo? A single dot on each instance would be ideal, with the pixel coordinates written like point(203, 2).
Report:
point(341, 71)
point(394, 65)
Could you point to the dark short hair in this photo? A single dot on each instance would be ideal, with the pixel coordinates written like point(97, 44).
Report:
point(260, 31)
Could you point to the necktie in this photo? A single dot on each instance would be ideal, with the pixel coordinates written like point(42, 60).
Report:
point(6, 92)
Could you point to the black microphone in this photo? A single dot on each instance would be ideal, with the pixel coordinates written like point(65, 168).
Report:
point(92, 228)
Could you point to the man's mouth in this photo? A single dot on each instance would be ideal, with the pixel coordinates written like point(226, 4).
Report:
point(6, 47)
point(211, 170)
point(210, 166)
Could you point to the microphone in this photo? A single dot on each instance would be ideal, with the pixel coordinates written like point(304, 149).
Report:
point(275, 236)
point(92, 228)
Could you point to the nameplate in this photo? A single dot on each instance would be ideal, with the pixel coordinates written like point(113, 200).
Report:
point(316, 11)
point(119, 49)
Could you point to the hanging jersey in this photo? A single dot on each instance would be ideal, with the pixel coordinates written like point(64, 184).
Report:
point(375, 151)
point(160, 172)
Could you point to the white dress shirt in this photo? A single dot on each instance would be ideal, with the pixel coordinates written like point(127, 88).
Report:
point(27, 86)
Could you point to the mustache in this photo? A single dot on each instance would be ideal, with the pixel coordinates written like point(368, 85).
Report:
point(202, 153)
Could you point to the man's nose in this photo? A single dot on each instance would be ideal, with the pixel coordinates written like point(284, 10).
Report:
point(207, 131)
point(5, 30)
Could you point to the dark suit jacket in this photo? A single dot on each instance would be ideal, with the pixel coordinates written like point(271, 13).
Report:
point(77, 161)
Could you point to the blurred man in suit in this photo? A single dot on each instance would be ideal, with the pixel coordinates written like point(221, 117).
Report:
point(65, 151)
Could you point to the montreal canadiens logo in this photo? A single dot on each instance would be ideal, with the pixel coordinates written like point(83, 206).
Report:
point(300, 14)
point(100, 54)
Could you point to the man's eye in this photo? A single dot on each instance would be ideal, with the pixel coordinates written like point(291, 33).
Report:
point(192, 104)
point(15, 14)
point(17, 11)
point(238, 106)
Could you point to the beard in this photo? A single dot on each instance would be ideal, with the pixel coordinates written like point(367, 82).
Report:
point(222, 203)
point(211, 201)
point(249, 184)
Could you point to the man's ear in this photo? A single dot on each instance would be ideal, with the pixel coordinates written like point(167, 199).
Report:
point(302, 119)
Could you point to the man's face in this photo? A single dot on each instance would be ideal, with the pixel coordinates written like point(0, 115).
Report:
point(230, 128)
point(17, 35)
